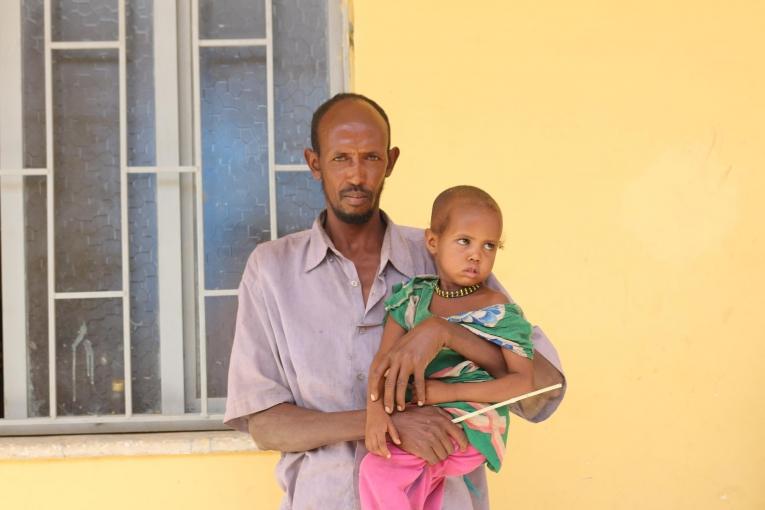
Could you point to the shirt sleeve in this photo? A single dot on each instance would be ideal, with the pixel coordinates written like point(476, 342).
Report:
point(548, 370)
point(256, 378)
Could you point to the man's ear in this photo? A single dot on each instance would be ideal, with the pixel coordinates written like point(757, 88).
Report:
point(431, 242)
point(312, 159)
point(393, 154)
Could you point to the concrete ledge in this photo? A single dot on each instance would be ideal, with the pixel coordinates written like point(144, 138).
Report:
point(107, 445)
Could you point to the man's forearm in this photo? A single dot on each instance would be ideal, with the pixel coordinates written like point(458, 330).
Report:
point(289, 428)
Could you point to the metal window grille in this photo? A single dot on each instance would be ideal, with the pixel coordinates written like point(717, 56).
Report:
point(198, 111)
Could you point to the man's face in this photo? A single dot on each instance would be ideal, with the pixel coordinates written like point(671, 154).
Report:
point(353, 160)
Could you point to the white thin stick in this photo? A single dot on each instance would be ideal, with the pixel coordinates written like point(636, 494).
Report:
point(507, 402)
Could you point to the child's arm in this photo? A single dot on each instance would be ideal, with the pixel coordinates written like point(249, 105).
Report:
point(378, 420)
point(519, 380)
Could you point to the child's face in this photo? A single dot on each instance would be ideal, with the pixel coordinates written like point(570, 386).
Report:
point(464, 252)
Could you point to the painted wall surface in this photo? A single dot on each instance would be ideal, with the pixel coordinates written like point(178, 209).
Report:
point(624, 143)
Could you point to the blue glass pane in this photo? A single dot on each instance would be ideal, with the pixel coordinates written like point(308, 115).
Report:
point(78, 20)
point(234, 159)
point(142, 210)
point(89, 359)
point(35, 238)
point(87, 182)
point(35, 206)
point(232, 19)
point(299, 200)
point(33, 62)
point(301, 79)
point(220, 322)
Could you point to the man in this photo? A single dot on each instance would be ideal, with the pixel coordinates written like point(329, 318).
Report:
point(310, 320)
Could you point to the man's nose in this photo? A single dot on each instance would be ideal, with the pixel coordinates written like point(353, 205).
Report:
point(356, 172)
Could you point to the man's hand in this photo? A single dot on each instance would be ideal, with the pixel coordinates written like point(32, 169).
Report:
point(408, 357)
point(379, 424)
point(427, 432)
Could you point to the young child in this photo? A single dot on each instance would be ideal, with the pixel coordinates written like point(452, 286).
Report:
point(463, 238)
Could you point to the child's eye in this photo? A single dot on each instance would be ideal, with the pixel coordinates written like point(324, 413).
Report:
point(463, 242)
point(489, 246)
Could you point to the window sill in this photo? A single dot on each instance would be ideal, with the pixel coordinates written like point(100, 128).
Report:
point(110, 445)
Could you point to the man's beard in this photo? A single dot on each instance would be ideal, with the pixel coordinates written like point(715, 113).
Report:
point(357, 218)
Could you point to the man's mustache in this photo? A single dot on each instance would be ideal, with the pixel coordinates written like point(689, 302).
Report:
point(356, 190)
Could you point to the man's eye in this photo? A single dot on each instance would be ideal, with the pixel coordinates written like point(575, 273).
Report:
point(463, 242)
point(339, 158)
point(373, 157)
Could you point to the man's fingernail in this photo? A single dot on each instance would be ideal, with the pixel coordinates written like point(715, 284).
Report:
point(400, 408)
point(387, 409)
point(373, 397)
point(420, 403)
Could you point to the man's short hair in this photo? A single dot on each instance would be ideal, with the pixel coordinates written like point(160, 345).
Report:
point(325, 107)
point(469, 195)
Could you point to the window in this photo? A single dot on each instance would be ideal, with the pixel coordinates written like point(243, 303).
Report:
point(145, 149)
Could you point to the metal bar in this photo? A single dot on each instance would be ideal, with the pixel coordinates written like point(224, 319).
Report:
point(21, 172)
point(85, 45)
point(202, 323)
point(270, 113)
point(12, 246)
point(291, 168)
point(169, 258)
point(50, 163)
point(221, 292)
point(102, 294)
point(124, 235)
point(161, 169)
point(188, 197)
point(337, 37)
point(231, 43)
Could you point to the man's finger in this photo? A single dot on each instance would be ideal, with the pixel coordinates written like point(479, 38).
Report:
point(455, 432)
point(402, 382)
point(375, 383)
point(419, 387)
point(390, 388)
point(393, 432)
point(440, 450)
point(428, 455)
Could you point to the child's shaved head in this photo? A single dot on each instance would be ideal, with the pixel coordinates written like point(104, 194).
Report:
point(459, 195)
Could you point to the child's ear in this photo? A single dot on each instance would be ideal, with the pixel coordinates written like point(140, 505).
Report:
point(431, 241)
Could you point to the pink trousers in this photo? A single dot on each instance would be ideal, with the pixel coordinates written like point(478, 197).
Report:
point(406, 482)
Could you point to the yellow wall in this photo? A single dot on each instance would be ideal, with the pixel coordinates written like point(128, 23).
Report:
point(624, 143)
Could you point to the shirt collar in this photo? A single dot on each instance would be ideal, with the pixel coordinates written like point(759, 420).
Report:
point(394, 248)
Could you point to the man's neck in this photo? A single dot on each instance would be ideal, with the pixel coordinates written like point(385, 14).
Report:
point(351, 239)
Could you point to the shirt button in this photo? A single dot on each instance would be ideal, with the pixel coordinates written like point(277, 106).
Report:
point(354, 283)
point(331, 258)
point(360, 376)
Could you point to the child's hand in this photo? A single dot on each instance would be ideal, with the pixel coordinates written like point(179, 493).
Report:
point(379, 423)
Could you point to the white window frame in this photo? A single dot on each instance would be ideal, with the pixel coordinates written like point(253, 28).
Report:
point(182, 327)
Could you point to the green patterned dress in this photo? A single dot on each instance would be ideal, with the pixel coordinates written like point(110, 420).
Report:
point(501, 324)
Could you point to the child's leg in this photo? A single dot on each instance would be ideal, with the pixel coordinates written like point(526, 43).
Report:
point(457, 464)
point(405, 481)
point(395, 483)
